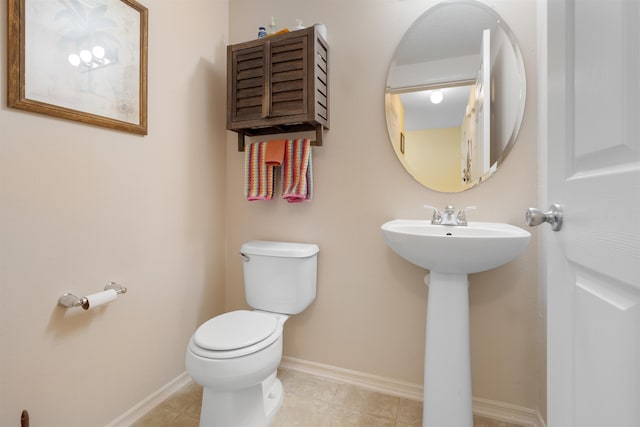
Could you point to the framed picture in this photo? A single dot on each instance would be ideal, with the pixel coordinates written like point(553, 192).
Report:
point(80, 60)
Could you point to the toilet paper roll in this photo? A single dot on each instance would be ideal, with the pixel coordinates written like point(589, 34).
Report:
point(100, 298)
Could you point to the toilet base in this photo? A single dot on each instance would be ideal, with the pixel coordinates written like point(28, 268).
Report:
point(250, 407)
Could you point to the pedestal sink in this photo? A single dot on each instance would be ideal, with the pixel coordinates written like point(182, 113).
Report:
point(451, 252)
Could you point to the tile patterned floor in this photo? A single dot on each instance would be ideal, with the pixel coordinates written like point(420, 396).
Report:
point(309, 402)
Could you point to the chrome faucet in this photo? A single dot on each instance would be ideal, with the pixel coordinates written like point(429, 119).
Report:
point(437, 216)
point(449, 216)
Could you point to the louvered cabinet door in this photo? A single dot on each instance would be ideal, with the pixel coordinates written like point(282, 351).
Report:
point(288, 77)
point(247, 85)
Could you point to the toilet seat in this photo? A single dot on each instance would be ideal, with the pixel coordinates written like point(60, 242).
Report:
point(235, 334)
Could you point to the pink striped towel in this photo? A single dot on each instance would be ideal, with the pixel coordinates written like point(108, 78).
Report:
point(258, 176)
point(297, 177)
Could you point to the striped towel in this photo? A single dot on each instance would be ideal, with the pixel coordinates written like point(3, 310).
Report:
point(297, 177)
point(258, 177)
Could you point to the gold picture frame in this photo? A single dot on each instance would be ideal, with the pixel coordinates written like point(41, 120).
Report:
point(80, 61)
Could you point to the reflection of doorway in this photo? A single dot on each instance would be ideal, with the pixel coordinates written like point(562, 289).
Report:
point(446, 144)
point(476, 127)
point(432, 133)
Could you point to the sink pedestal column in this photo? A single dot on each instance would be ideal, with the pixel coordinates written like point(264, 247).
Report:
point(447, 368)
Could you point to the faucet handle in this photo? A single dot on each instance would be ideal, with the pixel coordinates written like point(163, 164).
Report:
point(462, 215)
point(437, 216)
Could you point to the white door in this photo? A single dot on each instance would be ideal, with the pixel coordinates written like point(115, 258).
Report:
point(591, 116)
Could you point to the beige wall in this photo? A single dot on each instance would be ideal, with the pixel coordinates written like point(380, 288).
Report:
point(434, 157)
point(80, 206)
point(370, 311)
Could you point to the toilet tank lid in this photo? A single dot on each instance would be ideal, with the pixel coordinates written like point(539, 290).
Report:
point(279, 249)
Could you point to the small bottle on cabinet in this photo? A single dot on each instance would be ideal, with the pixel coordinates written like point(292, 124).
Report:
point(272, 26)
point(299, 25)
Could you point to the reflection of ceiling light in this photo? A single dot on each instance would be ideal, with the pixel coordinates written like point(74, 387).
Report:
point(74, 59)
point(436, 97)
point(85, 55)
point(98, 52)
point(91, 59)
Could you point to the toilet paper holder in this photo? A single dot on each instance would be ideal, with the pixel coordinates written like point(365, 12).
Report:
point(69, 300)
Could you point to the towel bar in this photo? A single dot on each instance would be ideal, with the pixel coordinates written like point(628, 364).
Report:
point(316, 142)
point(69, 300)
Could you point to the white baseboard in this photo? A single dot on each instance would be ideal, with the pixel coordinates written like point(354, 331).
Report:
point(150, 402)
point(499, 411)
point(506, 412)
point(371, 382)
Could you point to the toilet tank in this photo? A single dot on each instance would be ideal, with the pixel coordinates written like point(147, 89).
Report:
point(280, 277)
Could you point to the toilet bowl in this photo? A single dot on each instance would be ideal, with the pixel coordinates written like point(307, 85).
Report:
point(235, 355)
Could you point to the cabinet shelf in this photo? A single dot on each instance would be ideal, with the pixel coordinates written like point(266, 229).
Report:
point(278, 84)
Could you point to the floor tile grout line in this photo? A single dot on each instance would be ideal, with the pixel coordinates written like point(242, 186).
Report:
point(400, 405)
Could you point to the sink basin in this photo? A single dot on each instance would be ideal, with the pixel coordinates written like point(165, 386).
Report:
point(478, 246)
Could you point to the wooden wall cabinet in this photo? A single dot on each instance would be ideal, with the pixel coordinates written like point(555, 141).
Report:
point(278, 84)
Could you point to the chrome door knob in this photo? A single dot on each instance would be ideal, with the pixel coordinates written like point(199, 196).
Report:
point(553, 217)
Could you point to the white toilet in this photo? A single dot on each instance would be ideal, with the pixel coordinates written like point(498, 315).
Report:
point(235, 355)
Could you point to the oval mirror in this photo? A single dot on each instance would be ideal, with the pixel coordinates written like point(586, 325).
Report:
point(455, 95)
